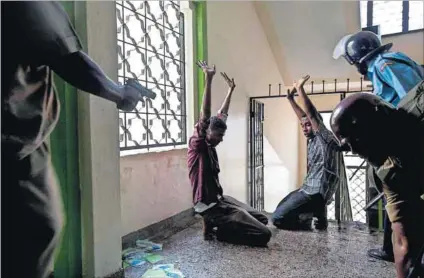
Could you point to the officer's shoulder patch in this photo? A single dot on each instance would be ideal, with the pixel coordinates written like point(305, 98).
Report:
point(384, 65)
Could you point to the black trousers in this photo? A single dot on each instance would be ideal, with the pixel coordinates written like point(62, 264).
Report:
point(31, 213)
point(297, 209)
point(237, 223)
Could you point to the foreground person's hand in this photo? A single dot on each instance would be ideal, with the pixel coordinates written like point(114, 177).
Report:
point(133, 92)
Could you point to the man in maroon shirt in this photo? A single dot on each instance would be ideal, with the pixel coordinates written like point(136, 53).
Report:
point(234, 221)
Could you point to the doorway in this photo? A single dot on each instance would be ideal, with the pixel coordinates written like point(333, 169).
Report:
point(356, 172)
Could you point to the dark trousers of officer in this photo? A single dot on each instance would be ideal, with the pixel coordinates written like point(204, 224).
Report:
point(31, 214)
point(387, 239)
point(237, 223)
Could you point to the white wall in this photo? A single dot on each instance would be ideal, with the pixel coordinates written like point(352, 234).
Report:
point(412, 44)
point(238, 46)
point(98, 122)
point(303, 35)
point(154, 186)
point(281, 156)
point(307, 32)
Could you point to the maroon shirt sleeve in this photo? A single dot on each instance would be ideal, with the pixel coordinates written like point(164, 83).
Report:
point(197, 144)
point(197, 140)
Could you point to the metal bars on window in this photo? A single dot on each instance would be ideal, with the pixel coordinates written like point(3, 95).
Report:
point(150, 37)
point(393, 17)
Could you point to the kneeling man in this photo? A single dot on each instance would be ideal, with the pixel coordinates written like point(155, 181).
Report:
point(234, 221)
point(326, 171)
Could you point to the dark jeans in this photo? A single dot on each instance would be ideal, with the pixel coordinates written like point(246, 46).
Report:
point(237, 223)
point(297, 209)
point(33, 220)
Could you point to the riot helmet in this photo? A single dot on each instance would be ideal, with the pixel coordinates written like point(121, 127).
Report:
point(359, 48)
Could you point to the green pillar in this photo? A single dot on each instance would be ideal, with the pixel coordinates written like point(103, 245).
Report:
point(201, 44)
point(64, 149)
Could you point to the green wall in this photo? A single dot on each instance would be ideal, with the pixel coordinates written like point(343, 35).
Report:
point(201, 42)
point(64, 148)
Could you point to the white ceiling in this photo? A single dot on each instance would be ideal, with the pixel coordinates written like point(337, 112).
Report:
point(302, 36)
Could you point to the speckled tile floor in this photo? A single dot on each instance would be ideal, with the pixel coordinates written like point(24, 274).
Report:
point(333, 253)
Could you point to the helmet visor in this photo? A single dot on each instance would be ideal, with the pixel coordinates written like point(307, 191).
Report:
point(340, 49)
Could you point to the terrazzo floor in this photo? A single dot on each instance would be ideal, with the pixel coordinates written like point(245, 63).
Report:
point(332, 253)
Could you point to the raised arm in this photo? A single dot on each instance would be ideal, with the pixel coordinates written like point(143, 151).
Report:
point(209, 73)
point(310, 110)
point(226, 104)
point(299, 112)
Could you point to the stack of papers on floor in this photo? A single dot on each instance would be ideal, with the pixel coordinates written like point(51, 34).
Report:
point(145, 252)
point(148, 245)
point(133, 257)
point(163, 271)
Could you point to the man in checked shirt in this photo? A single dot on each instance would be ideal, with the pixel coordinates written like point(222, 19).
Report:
point(326, 171)
point(234, 221)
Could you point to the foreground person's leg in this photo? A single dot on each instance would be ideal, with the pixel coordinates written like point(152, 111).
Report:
point(34, 219)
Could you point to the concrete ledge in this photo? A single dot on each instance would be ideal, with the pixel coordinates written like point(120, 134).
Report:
point(161, 229)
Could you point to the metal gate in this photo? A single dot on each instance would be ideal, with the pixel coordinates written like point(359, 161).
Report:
point(256, 155)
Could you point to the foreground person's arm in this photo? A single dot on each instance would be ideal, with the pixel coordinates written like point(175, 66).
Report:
point(79, 70)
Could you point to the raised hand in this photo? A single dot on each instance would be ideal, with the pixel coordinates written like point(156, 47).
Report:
point(290, 94)
point(133, 92)
point(301, 82)
point(207, 70)
point(229, 81)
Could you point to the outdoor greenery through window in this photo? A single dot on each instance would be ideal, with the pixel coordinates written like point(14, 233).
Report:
point(393, 17)
point(150, 37)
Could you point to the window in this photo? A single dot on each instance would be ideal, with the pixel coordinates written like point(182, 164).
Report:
point(150, 36)
point(392, 16)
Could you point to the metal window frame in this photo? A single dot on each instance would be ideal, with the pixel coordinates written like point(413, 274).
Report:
point(405, 19)
point(163, 54)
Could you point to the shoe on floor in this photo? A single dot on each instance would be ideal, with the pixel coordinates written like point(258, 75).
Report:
point(209, 231)
point(305, 222)
point(321, 224)
point(380, 254)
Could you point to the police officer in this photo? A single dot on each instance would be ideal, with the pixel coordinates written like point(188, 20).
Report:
point(393, 75)
point(390, 140)
point(37, 39)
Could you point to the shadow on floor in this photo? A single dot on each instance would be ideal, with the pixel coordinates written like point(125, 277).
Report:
point(335, 253)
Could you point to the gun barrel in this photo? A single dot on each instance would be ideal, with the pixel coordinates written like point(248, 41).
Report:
point(374, 201)
point(148, 93)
